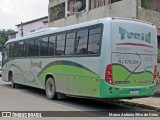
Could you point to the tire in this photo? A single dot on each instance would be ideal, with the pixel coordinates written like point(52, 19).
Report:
point(50, 89)
point(12, 80)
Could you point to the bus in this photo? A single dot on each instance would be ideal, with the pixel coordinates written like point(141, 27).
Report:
point(102, 59)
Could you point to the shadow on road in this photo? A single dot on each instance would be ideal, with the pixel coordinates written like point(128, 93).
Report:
point(79, 103)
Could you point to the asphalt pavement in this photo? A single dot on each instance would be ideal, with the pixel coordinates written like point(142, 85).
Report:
point(25, 98)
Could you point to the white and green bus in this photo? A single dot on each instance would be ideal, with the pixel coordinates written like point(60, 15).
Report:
point(104, 58)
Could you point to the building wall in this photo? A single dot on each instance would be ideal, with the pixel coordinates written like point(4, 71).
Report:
point(31, 27)
point(117, 9)
point(150, 16)
point(11, 36)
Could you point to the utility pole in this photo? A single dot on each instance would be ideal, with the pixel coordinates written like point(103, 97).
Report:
point(21, 29)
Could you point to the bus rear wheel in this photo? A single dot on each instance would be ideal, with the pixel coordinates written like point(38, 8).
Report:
point(11, 79)
point(50, 89)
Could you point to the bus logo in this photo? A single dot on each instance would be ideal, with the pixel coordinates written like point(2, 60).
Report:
point(36, 64)
point(131, 35)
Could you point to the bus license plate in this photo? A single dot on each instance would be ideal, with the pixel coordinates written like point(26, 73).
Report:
point(134, 92)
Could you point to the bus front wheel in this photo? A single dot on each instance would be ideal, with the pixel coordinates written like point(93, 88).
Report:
point(50, 89)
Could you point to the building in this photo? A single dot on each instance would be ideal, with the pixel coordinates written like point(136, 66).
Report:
point(31, 26)
point(12, 35)
point(63, 12)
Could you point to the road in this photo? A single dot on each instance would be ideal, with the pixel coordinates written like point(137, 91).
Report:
point(30, 99)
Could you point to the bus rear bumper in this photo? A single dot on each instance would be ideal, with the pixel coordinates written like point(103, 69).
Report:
point(112, 91)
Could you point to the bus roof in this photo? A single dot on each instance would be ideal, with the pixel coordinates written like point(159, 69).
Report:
point(56, 30)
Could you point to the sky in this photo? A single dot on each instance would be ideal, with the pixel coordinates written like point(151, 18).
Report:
point(13, 12)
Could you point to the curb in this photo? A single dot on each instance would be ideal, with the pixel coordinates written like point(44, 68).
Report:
point(137, 105)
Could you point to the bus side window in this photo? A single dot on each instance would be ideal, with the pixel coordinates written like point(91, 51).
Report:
point(69, 49)
point(20, 50)
point(81, 42)
point(31, 47)
point(25, 51)
point(51, 46)
point(37, 46)
point(11, 50)
point(60, 44)
point(94, 41)
point(15, 50)
point(44, 47)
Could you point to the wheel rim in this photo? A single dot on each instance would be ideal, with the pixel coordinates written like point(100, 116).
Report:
point(50, 88)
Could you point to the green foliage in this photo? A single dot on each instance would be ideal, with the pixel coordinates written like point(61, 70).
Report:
point(4, 35)
point(148, 4)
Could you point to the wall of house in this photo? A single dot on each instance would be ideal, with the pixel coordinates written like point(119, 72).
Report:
point(150, 16)
point(117, 9)
point(31, 27)
point(12, 36)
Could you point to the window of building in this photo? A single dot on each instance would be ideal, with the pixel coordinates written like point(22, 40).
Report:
point(57, 12)
point(51, 46)
point(98, 3)
point(81, 42)
point(44, 46)
point(69, 49)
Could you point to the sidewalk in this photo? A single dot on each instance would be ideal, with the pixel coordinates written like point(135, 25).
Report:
point(152, 103)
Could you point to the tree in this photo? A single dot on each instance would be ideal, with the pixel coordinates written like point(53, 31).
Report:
point(4, 35)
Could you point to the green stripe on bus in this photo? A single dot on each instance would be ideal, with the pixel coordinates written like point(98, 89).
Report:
point(114, 91)
point(121, 73)
point(72, 65)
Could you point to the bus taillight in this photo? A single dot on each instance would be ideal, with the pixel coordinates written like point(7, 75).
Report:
point(155, 74)
point(108, 75)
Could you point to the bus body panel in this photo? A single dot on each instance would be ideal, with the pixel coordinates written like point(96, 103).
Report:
point(134, 57)
point(73, 77)
point(133, 60)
